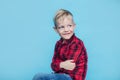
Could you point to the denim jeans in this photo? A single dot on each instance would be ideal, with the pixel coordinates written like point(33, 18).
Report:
point(52, 76)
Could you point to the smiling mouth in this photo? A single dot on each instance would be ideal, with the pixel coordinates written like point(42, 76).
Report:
point(66, 33)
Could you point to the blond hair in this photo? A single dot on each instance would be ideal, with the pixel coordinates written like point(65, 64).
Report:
point(61, 14)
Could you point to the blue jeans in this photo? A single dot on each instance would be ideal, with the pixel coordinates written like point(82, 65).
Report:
point(53, 76)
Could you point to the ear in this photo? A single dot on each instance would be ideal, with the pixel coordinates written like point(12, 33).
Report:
point(74, 25)
point(55, 29)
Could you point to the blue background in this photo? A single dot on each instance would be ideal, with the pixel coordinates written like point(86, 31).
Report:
point(27, 37)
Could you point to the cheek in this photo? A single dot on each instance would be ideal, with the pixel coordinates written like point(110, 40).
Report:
point(72, 29)
point(59, 32)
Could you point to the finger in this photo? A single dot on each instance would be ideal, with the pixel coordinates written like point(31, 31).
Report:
point(72, 61)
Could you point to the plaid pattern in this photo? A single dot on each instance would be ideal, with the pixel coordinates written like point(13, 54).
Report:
point(70, 49)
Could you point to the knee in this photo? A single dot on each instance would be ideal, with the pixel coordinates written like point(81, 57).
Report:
point(37, 77)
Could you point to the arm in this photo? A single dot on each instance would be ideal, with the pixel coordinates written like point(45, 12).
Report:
point(58, 65)
point(81, 65)
point(55, 65)
point(68, 65)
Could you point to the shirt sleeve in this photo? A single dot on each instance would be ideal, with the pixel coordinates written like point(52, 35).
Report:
point(55, 65)
point(80, 58)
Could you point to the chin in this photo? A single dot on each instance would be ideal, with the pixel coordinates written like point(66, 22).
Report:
point(67, 37)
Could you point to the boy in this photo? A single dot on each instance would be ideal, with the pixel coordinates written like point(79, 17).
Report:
point(70, 58)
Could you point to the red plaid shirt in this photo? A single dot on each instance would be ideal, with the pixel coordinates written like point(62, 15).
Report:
point(70, 49)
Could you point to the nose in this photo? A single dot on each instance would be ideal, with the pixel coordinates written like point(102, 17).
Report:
point(66, 29)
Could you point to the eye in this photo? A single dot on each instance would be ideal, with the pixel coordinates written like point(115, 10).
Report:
point(61, 27)
point(69, 25)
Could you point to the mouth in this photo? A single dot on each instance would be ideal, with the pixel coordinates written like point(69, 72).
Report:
point(66, 33)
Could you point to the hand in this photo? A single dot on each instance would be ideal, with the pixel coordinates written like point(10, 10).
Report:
point(68, 64)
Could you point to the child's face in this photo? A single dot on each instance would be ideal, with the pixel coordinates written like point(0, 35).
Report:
point(65, 27)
